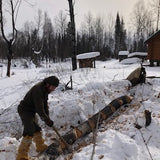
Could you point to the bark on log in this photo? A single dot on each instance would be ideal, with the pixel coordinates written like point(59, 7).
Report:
point(137, 76)
point(57, 148)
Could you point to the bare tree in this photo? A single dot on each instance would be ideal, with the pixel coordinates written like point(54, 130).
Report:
point(37, 43)
point(61, 23)
point(110, 25)
point(142, 20)
point(38, 20)
point(110, 31)
point(37, 48)
point(48, 38)
point(14, 7)
point(155, 5)
point(73, 35)
point(99, 32)
point(88, 32)
point(89, 24)
point(28, 28)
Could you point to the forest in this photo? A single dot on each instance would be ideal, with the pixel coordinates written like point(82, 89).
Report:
point(49, 38)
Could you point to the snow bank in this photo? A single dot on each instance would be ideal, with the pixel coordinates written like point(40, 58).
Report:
point(131, 61)
point(111, 145)
point(137, 54)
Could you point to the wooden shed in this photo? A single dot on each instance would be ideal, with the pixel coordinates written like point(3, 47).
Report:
point(153, 48)
point(87, 60)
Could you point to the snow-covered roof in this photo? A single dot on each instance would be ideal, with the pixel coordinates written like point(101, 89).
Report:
point(37, 52)
point(123, 53)
point(88, 55)
point(131, 60)
point(137, 54)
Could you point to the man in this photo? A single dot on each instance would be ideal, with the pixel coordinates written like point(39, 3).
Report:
point(35, 101)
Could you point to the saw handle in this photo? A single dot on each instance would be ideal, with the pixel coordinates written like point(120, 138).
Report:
point(62, 139)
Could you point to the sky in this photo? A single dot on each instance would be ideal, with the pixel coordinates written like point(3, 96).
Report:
point(81, 8)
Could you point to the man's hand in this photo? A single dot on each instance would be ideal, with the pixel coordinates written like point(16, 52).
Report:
point(49, 123)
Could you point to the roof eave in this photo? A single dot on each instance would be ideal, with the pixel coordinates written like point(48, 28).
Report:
point(152, 36)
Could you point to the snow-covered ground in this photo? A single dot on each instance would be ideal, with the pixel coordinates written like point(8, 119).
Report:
point(93, 89)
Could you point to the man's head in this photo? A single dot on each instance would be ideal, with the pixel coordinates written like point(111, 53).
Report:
point(51, 83)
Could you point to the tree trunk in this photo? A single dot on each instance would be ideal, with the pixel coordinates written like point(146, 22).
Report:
point(9, 67)
point(73, 36)
point(9, 57)
point(14, 32)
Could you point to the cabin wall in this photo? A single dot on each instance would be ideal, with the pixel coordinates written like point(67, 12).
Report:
point(154, 49)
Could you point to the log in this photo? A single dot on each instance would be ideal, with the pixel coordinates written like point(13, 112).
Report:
point(137, 76)
point(152, 77)
point(57, 148)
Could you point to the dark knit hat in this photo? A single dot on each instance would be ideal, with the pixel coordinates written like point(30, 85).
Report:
point(52, 80)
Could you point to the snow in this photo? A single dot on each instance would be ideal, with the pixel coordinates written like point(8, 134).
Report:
point(93, 88)
point(37, 52)
point(123, 53)
point(88, 55)
point(137, 54)
point(111, 145)
point(131, 60)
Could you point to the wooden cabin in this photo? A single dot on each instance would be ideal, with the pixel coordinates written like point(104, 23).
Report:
point(87, 60)
point(153, 48)
point(123, 55)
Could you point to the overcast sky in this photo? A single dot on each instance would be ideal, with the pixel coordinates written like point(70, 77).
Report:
point(81, 8)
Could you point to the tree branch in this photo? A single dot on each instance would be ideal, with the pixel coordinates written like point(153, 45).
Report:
point(1, 22)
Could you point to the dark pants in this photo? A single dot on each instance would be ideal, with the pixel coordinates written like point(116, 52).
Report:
point(29, 122)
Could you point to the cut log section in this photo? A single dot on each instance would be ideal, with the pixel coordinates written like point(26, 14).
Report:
point(57, 148)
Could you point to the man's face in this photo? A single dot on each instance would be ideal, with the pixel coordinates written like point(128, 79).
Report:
point(51, 88)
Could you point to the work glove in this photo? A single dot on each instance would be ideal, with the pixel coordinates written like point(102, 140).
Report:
point(49, 123)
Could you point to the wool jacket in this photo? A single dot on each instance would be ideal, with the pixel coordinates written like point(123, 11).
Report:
point(35, 101)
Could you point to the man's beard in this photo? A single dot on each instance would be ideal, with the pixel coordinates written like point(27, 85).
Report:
point(47, 89)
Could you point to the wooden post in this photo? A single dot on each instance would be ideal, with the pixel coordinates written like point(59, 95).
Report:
point(94, 62)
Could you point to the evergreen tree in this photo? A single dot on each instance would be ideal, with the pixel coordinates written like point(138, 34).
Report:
point(117, 36)
point(120, 36)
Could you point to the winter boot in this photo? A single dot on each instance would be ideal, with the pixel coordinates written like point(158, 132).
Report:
point(24, 148)
point(39, 141)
